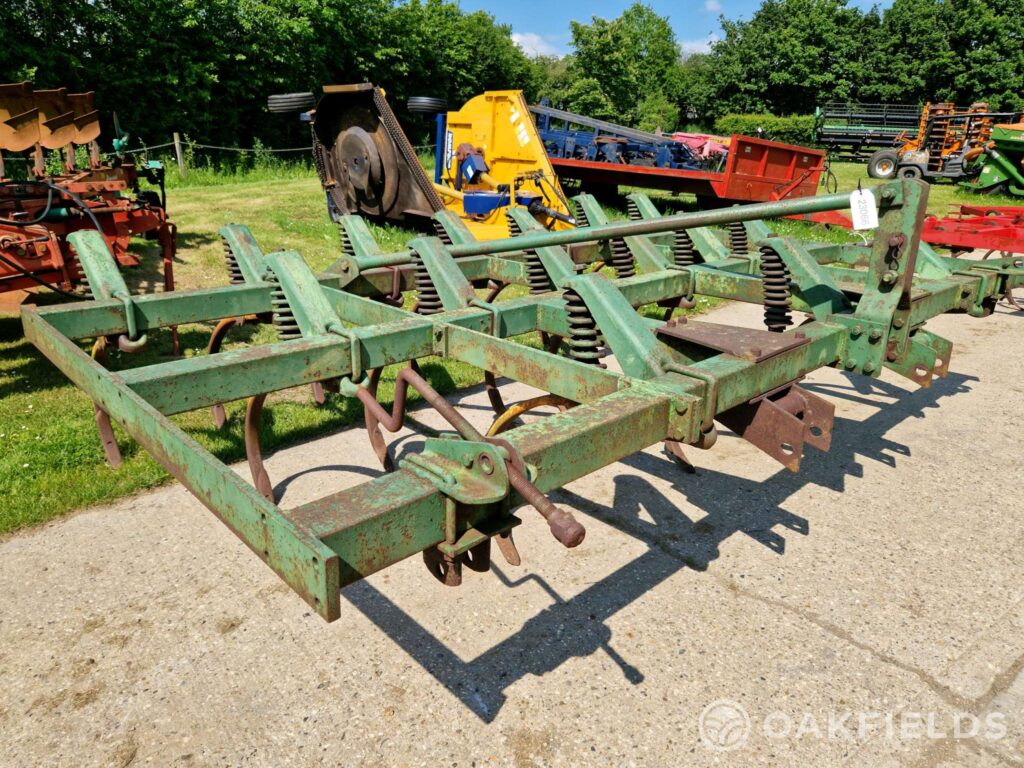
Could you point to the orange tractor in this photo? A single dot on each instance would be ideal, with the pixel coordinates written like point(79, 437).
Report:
point(945, 135)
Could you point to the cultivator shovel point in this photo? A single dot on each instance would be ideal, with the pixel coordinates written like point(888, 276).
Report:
point(673, 380)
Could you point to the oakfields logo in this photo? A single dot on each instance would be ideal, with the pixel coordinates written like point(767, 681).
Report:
point(725, 725)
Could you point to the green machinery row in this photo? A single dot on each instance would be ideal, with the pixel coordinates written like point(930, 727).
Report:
point(866, 307)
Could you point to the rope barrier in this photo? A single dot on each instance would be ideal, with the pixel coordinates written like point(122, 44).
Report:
point(193, 145)
point(243, 149)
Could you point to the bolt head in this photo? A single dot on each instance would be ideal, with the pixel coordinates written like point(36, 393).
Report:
point(869, 367)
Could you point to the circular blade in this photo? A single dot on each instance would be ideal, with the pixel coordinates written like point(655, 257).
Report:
point(369, 176)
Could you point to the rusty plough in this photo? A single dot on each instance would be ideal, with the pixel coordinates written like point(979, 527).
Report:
point(672, 379)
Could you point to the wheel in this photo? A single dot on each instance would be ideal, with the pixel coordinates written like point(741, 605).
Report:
point(1001, 188)
point(291, 102)
point(427, 104)
point(149, 198)
point(910, 172)
point(882, 165)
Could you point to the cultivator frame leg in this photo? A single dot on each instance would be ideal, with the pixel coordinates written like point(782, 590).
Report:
point(450, 499)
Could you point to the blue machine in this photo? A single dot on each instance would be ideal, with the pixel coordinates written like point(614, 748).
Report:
point(575, 137)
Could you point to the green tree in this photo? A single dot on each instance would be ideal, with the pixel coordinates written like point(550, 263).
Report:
point(911, 57)
point(634, 56)
point(790, 56)
point(205, 67)
point(987, 38)
point(584, 96)
point(657, 113)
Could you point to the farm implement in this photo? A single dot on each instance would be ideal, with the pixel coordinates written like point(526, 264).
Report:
point(672, 381)
point(992, 229)
point(488, 158)
point(40, 211)
point(946, 144)
point(1001, 161)
point(602, 155)
point(848, 129)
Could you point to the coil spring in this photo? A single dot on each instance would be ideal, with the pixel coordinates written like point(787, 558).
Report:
point(777, 295)
point(513, 225)
point(632, 209)
point(684, 252)
point(82, 280)
point(622, 259)
point(584, 339)
point(442, 234)
point(536, 276)
point(346, 241)
point(234, 271)
point(738, 242)
point(581, 215)
point(283, 318)
point(429, 299)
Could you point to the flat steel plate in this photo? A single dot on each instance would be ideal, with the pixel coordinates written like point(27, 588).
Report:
point(747, 343)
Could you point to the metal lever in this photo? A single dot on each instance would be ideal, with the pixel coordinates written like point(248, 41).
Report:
point(564, 527)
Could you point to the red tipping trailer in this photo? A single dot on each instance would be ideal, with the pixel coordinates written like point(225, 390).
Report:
point(755, 170)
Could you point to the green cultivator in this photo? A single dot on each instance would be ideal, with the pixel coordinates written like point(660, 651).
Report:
point(866, 308)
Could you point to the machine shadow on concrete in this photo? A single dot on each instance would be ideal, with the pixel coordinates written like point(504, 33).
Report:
point(576, 627)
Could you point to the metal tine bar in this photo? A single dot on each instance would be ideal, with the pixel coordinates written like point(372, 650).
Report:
point(889, 193)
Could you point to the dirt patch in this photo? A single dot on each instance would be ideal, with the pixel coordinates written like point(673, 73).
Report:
point(228, 625)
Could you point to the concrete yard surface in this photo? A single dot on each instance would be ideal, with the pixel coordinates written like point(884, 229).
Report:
point(866, 611)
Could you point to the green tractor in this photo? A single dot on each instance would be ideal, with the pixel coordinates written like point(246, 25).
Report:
point(1001, 161)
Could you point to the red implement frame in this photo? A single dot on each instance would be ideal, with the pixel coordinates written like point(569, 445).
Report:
point(42, 249)
point(755, 170)
point(969, 228)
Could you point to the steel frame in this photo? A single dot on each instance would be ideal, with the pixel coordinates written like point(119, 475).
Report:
point(866, 307)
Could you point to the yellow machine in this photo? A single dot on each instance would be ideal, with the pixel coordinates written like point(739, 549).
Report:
point(491, 155)
point(488, 157)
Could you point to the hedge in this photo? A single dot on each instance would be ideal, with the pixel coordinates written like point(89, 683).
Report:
point(796, 129)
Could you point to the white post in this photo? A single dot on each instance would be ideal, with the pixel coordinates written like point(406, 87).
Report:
point(178, 155)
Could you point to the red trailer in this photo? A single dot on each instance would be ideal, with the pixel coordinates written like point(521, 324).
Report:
point(755, 170)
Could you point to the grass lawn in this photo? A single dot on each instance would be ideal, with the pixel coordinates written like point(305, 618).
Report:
point(52, 462)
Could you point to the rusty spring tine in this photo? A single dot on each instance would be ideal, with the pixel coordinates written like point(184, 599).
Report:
point(103, 426)
point(212, 348)
point(253, 452)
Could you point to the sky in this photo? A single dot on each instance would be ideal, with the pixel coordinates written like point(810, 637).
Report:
point(542, 26)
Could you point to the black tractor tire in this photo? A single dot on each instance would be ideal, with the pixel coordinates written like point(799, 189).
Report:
point(883, 164)
point(1002, 188)
point(149, 197)
point(910, 172)
point(291, 102)
point(427, 104)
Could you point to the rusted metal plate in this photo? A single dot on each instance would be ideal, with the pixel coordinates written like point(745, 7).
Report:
point(781, 423)
point(748, 343)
